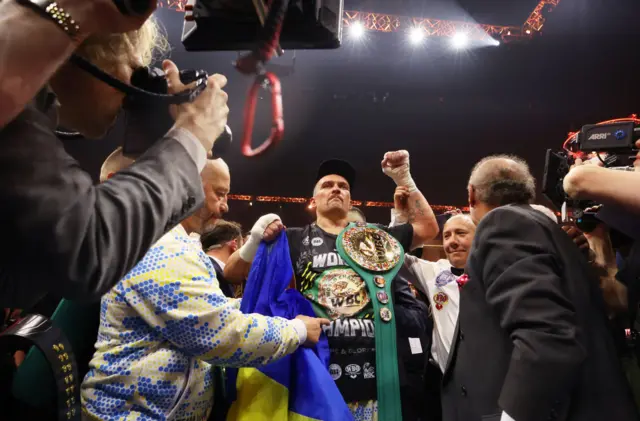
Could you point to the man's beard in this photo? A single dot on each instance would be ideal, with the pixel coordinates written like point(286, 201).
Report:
point(208, 220)
point(209, 224)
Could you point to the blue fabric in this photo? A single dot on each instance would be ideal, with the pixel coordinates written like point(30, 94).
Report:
point(312, 391)
point(619, 260)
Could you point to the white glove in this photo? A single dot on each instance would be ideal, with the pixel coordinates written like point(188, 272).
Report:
point(248, 251)
point(396, 166)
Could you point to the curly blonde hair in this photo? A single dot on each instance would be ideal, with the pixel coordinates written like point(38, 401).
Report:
point(143, 45)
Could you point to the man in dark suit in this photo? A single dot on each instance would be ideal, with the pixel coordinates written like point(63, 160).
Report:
point(219, 242)
point(533, 312)
point(65, 235)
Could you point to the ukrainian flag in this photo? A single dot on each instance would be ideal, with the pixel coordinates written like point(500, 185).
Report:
point(297, 387)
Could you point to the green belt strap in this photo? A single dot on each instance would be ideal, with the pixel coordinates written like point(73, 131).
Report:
point(387, 377)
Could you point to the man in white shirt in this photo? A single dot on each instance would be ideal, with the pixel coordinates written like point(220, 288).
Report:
point(439, 282)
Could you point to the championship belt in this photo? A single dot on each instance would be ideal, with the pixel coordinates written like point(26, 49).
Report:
point(377, 256)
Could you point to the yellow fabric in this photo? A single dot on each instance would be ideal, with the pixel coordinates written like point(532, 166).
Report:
point(364, 410)
point(260, 398)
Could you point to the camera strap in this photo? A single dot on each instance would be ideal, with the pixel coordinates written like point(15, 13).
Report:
point(200, 77)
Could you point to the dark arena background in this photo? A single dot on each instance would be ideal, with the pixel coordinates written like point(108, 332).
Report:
point(539, 70)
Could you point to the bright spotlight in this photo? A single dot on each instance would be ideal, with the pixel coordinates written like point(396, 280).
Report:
point(460, 40)
point(495, 43)
point(356, 30)
point(416, 36)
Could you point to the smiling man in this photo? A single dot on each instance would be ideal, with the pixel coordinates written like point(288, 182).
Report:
point(438, 281)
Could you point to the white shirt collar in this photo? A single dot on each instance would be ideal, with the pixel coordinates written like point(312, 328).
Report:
point(218, 261)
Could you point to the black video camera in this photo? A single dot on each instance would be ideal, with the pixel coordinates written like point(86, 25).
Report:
point(146, 105)
point(213, 25)
point(264, 27)
point(615, 139)
point(147, 117)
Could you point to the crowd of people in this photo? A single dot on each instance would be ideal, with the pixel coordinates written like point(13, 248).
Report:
point(518, 289)
point(526, 318)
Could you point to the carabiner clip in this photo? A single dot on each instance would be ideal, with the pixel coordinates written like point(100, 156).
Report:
point(270, 82)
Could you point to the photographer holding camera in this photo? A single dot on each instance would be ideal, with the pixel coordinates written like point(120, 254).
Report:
point(593, 182)
point(34, 48)
point(619, 192)
point(65, 234)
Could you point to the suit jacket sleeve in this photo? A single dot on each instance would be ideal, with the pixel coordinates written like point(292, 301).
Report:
point(412, 320)
point(524, 285)
point(85, 237)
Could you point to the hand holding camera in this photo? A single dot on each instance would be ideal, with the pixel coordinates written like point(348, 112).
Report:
point(206, 116)
point(569, 183)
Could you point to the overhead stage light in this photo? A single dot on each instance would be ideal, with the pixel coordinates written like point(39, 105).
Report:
point(495, 42)
point(356, 30)
point(460, 40)
point(416, 35)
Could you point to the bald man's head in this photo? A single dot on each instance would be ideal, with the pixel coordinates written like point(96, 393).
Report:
point(216, 183)
point(457, 236)
point(215, 169)
point(501, 180)
point(463, 219)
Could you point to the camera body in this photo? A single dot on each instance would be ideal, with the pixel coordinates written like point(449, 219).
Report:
point(615, 138)
point(147, 117)
point(216, 25)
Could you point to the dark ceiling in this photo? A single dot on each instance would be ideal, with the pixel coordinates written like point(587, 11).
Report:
point(448, 109)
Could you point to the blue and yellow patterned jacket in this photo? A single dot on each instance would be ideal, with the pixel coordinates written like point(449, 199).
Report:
point(163, 327)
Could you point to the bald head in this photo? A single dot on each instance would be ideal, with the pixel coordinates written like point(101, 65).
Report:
point(461, 219)
point(216, 183)
point(457, 236)
point(501, 180)
point(215, 169)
